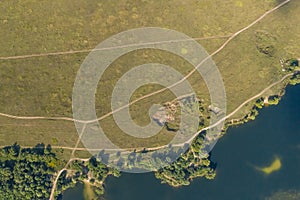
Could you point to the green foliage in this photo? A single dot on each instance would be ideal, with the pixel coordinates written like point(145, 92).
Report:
point(295, 79)
point(64, 182)
point(259, 103)
point(291, 64)
point(98, 170)
point(20, 79)
point(274, 100)
point(91, 172)
point(26, 173)
point(294, 62)
point(188, 167)
point(54, 141)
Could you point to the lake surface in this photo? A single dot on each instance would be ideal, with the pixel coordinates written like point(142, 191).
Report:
point(75, 193)
point(274, 133)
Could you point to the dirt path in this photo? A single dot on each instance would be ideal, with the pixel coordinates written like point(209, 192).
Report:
point(36, 117)
point(150, 94)
point(103, 49)
point(203, 61)
point(217, 51)
point(65, 167)
point(158, 91)
point(59, 173)
point(145, 96)
point(76, 148)
point(156, 148)
point(229, 115)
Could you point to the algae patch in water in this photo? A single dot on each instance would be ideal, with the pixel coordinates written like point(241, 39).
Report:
point(274, 166)
point(88, 192)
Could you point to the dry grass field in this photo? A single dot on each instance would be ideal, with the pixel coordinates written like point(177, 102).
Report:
point(42, 85)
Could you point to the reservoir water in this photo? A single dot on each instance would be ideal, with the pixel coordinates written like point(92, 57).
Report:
point(274, 134)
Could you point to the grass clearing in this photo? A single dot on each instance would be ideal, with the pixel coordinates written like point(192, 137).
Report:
point(43, 85)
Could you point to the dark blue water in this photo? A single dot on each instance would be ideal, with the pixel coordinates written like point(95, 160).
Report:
point(275, 132)
point(75, 193)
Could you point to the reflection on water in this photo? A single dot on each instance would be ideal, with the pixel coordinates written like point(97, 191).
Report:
point(88, 192)
point(285, 195)
point(75, 193)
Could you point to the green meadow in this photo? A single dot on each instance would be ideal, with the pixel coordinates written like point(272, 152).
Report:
point(42, 86)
